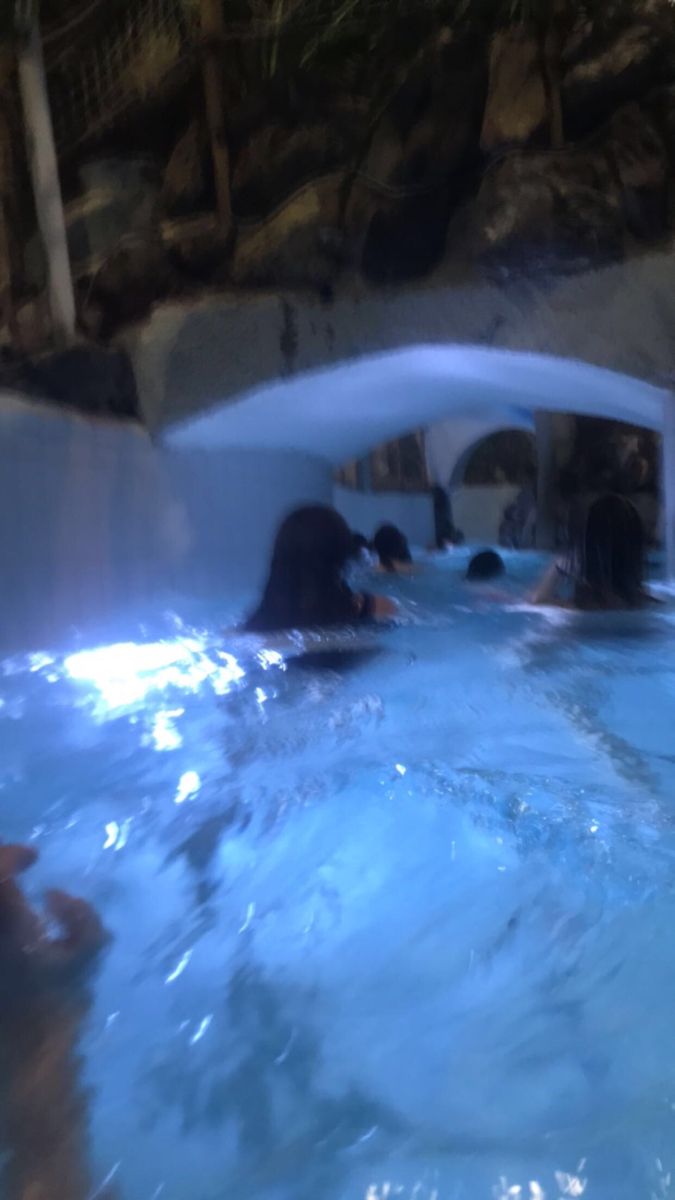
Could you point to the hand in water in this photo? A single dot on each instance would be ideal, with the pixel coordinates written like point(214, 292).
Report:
point(25, 942)
point(43, 1000)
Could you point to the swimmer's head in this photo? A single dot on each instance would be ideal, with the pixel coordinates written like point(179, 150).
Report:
point(485, 565)
point(391, 547)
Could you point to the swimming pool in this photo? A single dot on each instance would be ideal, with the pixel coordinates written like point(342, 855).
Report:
point(399, 930)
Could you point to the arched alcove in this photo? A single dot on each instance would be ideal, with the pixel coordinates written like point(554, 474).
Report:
point(504, 456)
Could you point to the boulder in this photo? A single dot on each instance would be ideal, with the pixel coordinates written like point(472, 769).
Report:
point(551, 210)
point(278, 159)
point(184, 182)
point(198, 248)
point(131, 279)
point(574, 207)
point(608, 67)
point(298, 244)
point(640, 158)
point(516, 110)
point(661, 108)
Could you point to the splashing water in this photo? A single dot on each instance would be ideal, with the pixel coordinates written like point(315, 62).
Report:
point(399, 930)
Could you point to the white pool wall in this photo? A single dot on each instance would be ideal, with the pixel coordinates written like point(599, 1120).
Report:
point(87, 522)
point(97, 522)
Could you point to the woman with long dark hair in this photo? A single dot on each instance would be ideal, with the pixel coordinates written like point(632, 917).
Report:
point(306, 587)
point(604, 567)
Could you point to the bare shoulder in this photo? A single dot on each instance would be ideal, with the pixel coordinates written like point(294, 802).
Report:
point(384, 608)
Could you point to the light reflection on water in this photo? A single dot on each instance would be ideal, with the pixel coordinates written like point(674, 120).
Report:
point(399, 931)
point(123, 675)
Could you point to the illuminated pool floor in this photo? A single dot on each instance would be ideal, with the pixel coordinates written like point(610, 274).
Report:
point(403, 930)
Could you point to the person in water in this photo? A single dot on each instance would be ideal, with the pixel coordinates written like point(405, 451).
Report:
point(306, 587)
point(392, 550)
point(43, 1000)
point(604, 567)
point(360, 548)
point(484, 566)
point(445, 532)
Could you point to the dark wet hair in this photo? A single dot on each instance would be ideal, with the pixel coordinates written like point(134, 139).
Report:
point(391, 546)
point(487, 564)
point(359, 543)
point(305, 586)
point(607, 554)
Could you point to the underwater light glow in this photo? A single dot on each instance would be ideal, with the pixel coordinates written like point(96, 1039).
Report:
point(164, 734)
point(124, 674)
point(270, 658)
point(112, 830)
point(188, 785)
point(201, 1029)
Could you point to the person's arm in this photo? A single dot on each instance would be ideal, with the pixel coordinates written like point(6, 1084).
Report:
point(384, 608)
point(546, 590)
point(374, 608)
point(43, 999)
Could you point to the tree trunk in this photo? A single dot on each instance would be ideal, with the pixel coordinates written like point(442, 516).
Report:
point(46, 185)
point(7, 182)
point(213, 36)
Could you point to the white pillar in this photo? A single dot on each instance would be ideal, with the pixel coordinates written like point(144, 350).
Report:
point(46, 185)
point(668, 483)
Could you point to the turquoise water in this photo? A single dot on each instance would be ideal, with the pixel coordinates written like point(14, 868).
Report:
point(399, 930)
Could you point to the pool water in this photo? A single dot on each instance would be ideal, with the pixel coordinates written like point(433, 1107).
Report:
point(404, 927)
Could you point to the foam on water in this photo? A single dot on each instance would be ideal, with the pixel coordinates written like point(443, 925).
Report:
point(404, 929)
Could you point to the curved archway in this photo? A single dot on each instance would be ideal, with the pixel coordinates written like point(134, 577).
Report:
point(310, 423)
point(500, 456)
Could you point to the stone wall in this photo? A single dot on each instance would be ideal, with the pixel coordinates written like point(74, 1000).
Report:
point(401, 147)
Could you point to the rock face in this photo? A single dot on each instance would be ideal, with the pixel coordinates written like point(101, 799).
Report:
point(516, 111)
point(414, 149)
point(278, 159)
point(580, 205)
point(84, 377)
point(184, 178)
point(611, 456)
point(604, 71)
point(298, 244)
point(539, 211)
point(418, 160)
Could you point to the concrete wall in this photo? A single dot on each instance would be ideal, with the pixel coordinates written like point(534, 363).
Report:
point(98, 524)
point(87, 524)
point(478, 511)
point(364, 511)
